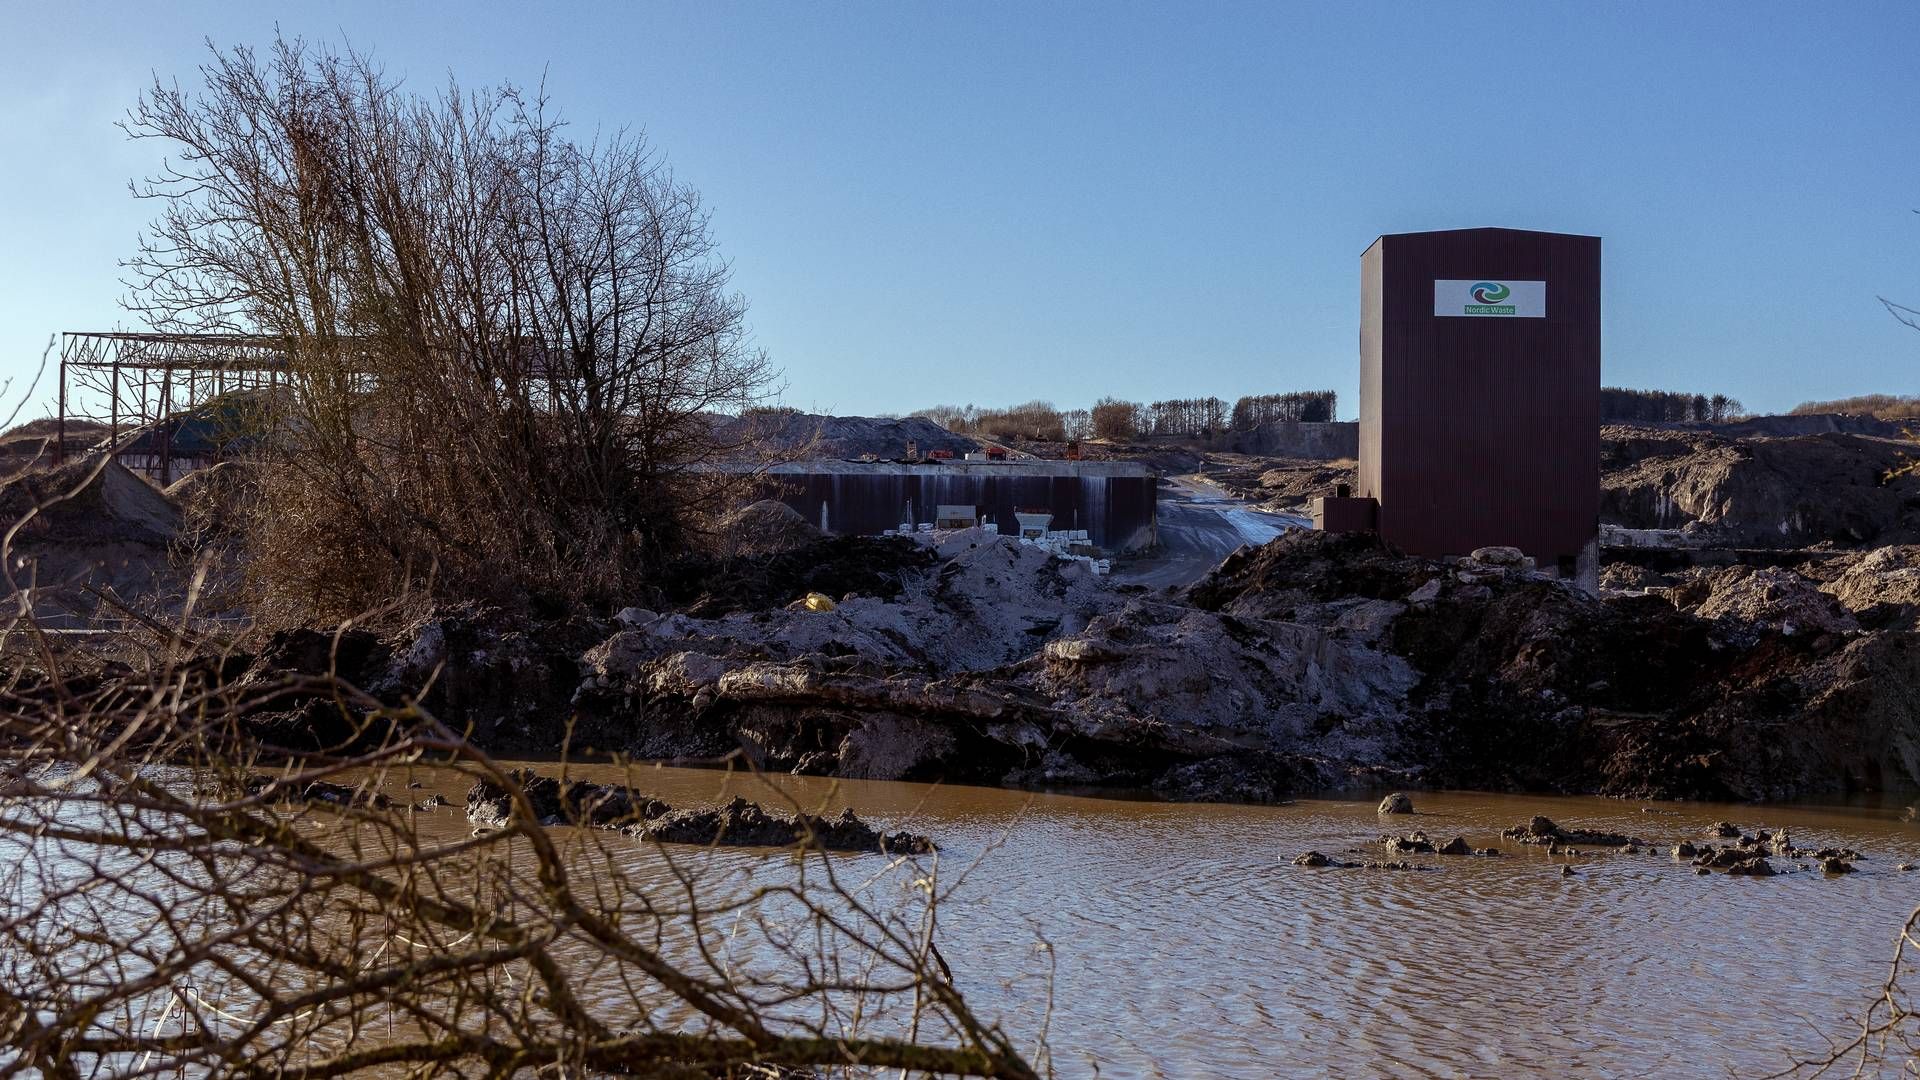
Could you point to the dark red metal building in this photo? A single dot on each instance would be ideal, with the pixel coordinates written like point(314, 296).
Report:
point(1480, 393)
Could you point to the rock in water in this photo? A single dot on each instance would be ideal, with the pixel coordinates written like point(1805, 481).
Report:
point(1456, 846)
point(1396, 803)
point(738, 824)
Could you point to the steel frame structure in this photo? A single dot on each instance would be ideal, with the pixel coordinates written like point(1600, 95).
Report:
point(151, 382)
point(150, 379)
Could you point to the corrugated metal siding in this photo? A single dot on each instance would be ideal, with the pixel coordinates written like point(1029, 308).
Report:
point(1482, 430)
point(1367, 481)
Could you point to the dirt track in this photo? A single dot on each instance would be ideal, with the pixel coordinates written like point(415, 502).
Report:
point(1198, 526)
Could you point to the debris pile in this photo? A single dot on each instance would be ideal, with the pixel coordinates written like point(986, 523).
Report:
point(1314, 661)
point(1767, 598)
point(737, 824)
point(790, 433)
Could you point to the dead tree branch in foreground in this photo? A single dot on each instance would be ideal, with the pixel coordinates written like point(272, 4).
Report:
point(1885, 1039)
point(175, 892)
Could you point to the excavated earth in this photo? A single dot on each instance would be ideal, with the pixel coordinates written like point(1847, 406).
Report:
point(1838, 487)
point(1313, 663)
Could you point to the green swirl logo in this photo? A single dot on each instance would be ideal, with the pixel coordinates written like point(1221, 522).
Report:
point(1489, 292)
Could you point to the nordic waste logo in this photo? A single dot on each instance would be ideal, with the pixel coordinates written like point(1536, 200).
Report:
point(1488, 296)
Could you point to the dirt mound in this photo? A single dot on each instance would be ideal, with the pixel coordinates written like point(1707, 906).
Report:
point(708, 586)
point(961, 601)
point(90, 500)
point(1882, 585)
point(90, 523)
point(764, 528)
point(1621, 577)
point(1302, 571)
point(783, 433)
point(1299, 482)
point(1325, 441)
point(32, 444)
point(1766, 598)
point(1780, 426)
point(1315, 661)
point(1521, 682)
point(1276, 481)
point(1761, 492)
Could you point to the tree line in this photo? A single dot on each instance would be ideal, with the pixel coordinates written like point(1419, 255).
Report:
point(1116, 419)
point(1884, 406)
point(1664, 406)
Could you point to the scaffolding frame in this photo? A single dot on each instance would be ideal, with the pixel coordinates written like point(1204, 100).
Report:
point(150, 381)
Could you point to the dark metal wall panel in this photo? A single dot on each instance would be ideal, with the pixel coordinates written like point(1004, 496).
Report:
point(1367, 482)
point(1483, 430)
point(1117, 511)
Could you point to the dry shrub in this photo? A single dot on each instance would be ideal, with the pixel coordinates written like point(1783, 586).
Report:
point(504, 350)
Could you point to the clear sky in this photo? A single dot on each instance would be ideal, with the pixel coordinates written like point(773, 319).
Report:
point(993, 203)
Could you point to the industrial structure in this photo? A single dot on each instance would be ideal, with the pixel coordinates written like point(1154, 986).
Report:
point(168, 400)
point(1111, 502)
point(1479, 396)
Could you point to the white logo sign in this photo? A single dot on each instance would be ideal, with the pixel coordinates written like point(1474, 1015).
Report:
point(1491, 298)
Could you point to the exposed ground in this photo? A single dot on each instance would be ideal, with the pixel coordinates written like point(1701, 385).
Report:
point(1299, 662)
point(1198, 525)
point(1312, 663)
point(86, 528)
point(1761, 491)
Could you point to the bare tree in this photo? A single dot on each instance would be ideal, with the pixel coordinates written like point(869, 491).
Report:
point(957, 418)
point(1661, 406)
point(1886, 1036)
point(1036, 420)
point(507, 347)
point(1313, 406)
point(1116, 420)
point(1077, 423)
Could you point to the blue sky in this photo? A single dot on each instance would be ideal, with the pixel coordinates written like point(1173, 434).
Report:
point(994, 203)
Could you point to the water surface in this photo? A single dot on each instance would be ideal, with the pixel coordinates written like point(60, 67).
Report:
point(1188, 945)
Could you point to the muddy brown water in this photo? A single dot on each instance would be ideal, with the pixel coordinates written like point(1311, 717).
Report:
point(1187, 945)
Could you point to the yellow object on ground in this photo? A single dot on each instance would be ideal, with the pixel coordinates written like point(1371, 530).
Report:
point(819, 602)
